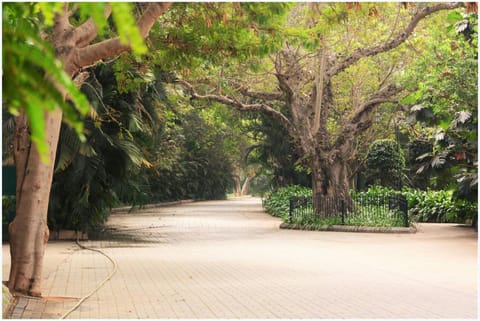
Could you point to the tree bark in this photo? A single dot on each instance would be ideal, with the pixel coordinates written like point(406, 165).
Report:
point(29, 231)
point(246, 185)
point(238, 186)
point(330, 184)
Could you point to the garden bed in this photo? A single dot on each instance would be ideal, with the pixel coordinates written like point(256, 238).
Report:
point(348, 228)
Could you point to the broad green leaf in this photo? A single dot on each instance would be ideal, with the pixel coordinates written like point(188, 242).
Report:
point(454, 16)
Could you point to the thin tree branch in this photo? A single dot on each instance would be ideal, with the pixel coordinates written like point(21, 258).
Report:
point(260, 107)
point(395, 42)
point(386, 94)
point(261, 95)
point(359, 120)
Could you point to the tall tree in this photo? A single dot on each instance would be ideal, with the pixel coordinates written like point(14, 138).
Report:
point(306, 83)
point(75, 48)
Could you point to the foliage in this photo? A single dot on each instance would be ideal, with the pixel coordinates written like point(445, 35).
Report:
point(26, 58)
point(276, 154)
point(37, 82)
point(414, 149)
point(278, 203)
point(207, 35)
point(201, 169)
point(101, 169)
point(374, 192)
point(372, 208)
point(444, 100)
point(439, 206)
point(377, 217)
point(385, 163)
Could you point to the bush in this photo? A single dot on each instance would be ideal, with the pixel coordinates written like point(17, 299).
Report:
point(385, 163)
point(278, 203)
point(373, 192)
point(438, 206)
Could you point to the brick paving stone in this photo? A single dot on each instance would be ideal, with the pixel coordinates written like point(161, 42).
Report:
point(227, 259)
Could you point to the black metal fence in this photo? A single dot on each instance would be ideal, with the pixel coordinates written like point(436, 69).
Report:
point(358, 209)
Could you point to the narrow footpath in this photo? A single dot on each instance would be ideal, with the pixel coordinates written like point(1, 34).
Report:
point(228, 259)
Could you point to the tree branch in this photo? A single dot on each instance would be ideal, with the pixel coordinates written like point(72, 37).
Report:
point(111, 47)
point(384, 95)
point(261, 95)
point(359, 121)
point(395, 42)
point(87, 32)
point(260, 107)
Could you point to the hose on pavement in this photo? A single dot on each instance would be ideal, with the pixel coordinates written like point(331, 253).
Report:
point(99, 286)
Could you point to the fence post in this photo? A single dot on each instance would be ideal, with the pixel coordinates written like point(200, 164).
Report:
point(405, 211)
point(290, 211)
point(342, 208)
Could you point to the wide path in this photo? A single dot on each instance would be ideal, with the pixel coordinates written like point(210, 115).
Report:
point(227, 259)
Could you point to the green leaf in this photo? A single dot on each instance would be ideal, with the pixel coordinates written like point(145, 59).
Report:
point(454, 16)
point(48, 9)
point(36, 120)
point(410, 99)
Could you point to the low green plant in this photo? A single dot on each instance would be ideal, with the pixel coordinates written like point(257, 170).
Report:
point(438, 206)
point(277, 203)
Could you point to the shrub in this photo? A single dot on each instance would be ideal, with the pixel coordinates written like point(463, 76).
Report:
point(277, 203)
point(375, 191)
point(438, 206)
point(385, 163)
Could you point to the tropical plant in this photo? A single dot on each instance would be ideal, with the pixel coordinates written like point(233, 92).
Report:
point(444, 108)
point(439, 206)
point(103, 168)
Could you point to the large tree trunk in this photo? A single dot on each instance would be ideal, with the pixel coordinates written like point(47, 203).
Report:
point(329, 184)
point(29, 231)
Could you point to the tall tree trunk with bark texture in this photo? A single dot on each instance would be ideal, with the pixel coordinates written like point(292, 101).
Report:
point(29, 231)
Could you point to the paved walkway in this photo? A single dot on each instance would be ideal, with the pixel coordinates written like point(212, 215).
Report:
point(228, 259)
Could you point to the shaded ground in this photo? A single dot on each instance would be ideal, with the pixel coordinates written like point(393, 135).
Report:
point(228, 259)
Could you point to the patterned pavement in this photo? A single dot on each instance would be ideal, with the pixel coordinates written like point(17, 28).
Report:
point(227, 259)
